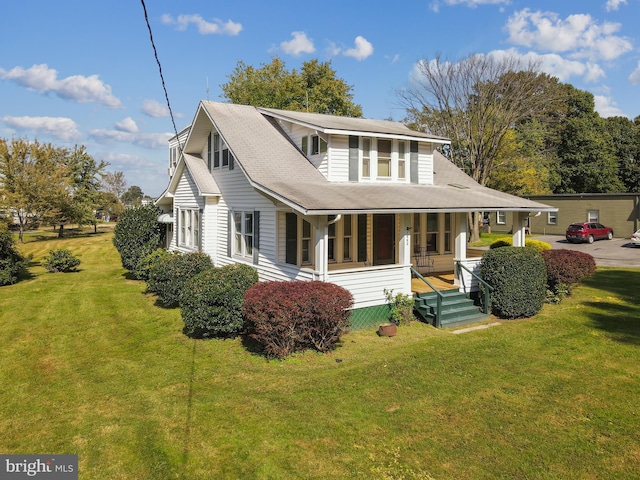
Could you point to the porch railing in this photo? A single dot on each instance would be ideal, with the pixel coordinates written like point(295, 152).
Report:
point(486, 288)
point(438, 293)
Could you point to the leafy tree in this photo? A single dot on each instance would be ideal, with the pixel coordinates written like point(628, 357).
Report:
point(133, 196)
point(84, 192)
point(34, 181)
point(626, 140)
point(476, 102)
point(109, 205)
point(586, 151)
point(315, 88)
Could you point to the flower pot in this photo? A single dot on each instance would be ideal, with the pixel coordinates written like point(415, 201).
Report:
point(387, 329)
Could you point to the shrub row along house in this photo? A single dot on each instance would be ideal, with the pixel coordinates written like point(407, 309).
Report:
point(305, 196)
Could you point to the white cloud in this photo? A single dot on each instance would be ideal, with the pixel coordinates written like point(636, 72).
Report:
point(435, 5)
point(394, 58)
point(147, 140)
point(556, 65)
point(362, 49)
point(614, 4)
point(154, 109)
point(215, 26)
point(78, 88)
point(127, 125)
point(606, 107)
point(63, 128)
point(578, 35)
point(298, 45)
point(634, 78)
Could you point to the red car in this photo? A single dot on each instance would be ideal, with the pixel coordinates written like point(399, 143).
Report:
point(588, 232)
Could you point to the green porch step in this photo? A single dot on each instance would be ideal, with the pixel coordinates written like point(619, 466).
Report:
point(456, 309)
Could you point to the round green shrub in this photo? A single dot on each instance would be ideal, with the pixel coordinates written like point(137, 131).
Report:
point(167, 275)
point(211, 302)
point(145, 264)
point(137, 234)
point(61, 260)
point(538, 245)
point(519, 278)
point(11, 261)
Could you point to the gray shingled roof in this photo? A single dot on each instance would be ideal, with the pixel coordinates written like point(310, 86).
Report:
point(278, 168)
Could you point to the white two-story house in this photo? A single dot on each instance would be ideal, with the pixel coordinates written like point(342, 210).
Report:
point(305, 196)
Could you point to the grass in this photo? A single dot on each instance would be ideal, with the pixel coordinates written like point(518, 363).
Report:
point(92, 366)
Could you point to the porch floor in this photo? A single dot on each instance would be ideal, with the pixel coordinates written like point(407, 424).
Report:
point(442, 281)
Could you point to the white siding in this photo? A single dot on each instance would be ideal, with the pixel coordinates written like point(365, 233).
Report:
point(367, 285)
point(425, 164)
point(339, 158)
point(186, 196)
point(467, 282)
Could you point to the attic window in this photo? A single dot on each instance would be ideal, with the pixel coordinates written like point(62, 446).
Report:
point(457, 185)
point(318, 145)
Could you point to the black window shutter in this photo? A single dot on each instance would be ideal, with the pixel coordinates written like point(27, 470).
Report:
point(232, 161)
point(209, 152)
point(256, 237)
point(291, 239)
point(354, 157)
point(413, 161)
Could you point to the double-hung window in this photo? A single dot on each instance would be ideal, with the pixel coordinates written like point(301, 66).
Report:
point(402, 160)
point(501, 218)
point(384, 158)
point(298, 240)
point(243, 234)
point(366, 157)
point(552, 218)
point(189, 228)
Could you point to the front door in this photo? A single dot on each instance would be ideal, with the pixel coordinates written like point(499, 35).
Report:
point(384, 238)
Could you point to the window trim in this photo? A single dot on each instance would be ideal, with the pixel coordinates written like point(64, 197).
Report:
point(502, 214)
point(189, 229)
point(553, 215)
point(245, 218)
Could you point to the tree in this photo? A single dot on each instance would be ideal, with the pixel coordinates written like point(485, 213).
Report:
point(475, 102)
point(84, 189)
point(314, 89)
point(137, 234)
point(586, 151)
point(133, 196)
point(626, 140)
point(34, 181)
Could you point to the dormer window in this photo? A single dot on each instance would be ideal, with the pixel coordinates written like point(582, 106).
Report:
point(318, 145)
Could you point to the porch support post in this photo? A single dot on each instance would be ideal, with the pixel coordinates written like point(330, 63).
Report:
point(460, 246)
point(404, 249)
point(321, 255)
point(519, 228)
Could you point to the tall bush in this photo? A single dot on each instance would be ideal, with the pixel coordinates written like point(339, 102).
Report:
point(518, 276)
point(285, 317)
point(11, 261)
point(168, 274)
point(211, 302)
point(61, 260)
point(136, 235)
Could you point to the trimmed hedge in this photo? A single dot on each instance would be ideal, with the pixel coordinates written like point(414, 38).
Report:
point(145, 264)
point(567, 267)
point(537, 245)
point(519, 277)
point(61, 260)
point(136, 235)
point(211, 302)
point(168, 275)
point(285, 317)
point(11, 261)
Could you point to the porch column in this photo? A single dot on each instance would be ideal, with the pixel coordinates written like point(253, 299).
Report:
point(461, 240)
point(404, 249)
point(321, 258)
point(519, 228)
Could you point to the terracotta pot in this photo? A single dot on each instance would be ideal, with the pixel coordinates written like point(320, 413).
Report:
point(387, 329)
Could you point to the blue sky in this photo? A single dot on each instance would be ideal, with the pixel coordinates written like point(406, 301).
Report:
point(83, 72)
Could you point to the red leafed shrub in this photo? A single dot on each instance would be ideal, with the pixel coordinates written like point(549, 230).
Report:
point(285, 317)
point(567, 267)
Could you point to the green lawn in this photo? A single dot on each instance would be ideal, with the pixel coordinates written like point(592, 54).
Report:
point(90, 365)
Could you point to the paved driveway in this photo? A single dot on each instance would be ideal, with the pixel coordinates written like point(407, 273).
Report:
point(618, 252)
